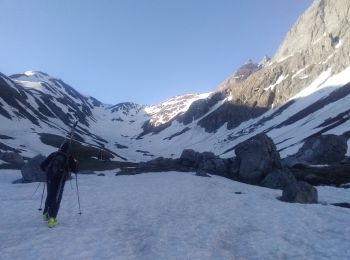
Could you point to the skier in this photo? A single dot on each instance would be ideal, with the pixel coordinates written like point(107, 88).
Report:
point(57, 167)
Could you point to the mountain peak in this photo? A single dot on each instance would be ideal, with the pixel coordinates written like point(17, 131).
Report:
point(248, 62)
point(32, 76)
point(264, 61)
point(323, 25)
point(245, 70)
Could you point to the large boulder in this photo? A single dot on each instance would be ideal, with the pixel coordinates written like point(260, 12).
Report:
point(323, 149)
point(233, 169)
point(300, 192)
point(221, 166)
point(190, 158)
point(207, 166)
point(31, 171)
point(257, 157)
point(214, 165)
point(279, 179)
point(12, 158)
point(208, 156)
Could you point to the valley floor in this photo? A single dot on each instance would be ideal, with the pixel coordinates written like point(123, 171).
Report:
point(171, 216)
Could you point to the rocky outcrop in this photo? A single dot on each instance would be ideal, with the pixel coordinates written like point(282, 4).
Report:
point(335, 174)
point(323, 149)
point(31, 171)
point(189, 161)
point(257, 157)
point(300, 192)
point(325, 23)
point(200, 107)
point(12, 158)
point(191, 158)
point(230, 113)
point(245, 70)
point(320, 39)
point(279, 179)
point(257, 162)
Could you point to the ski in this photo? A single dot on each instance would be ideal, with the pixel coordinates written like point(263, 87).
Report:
point(72, 131)
point(70, 137)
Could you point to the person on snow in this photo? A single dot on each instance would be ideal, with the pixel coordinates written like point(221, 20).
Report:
point(57, 167)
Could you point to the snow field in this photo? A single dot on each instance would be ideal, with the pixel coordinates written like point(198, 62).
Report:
point(171, 216)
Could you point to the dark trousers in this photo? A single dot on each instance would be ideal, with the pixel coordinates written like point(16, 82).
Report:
point(55, 188)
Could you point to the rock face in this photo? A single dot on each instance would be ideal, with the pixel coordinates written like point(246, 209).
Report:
point(257, 162)
point(257, 157)
point(245, 70)
point(200, 108)
point(320, 39)
point(324, 149)
point(335, 174)
point(300, 192)
point(31, 170)
point(189, 161)
point(191, 157)
point(12, 158)
point(329, 25)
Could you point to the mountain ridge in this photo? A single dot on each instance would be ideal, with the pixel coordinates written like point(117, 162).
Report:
point(305, 82)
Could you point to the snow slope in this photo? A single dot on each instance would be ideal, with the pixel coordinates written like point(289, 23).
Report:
point(171, 216)
point(288, 135)
point(121, 126)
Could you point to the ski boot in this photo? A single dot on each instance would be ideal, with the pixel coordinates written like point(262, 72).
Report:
point(52, 222)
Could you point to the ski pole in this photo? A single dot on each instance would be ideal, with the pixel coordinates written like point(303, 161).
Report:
point(42, 196)
point(70, 180)
point(37, 187)
point(76, 182)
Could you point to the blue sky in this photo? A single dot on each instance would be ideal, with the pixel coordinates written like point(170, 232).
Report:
point(141, 51)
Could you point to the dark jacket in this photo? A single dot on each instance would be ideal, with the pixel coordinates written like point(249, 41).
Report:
point(71, 162)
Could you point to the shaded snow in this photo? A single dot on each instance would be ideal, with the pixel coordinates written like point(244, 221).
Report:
point(122, 129)
point(2, 162)
point(289, 137)
point(171, 216)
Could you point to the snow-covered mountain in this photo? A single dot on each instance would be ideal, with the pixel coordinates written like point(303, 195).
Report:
point(304, 90)
point(33, 105)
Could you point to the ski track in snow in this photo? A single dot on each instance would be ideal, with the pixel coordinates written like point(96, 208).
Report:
point(171, 216)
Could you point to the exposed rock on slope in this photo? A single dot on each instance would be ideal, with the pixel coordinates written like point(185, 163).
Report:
point(319, 40)
point(324, 149)
point(303, 91)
